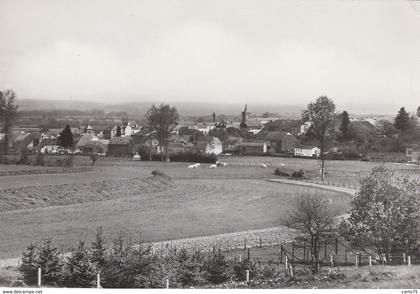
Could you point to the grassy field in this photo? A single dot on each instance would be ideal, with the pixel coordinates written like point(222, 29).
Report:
point(116, 195)
point(189, 208)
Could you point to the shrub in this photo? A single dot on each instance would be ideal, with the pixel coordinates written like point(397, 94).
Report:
point(39, 159)
point(68, 161)
point(158, 173)
point(298, 174)
point(281, 173)
point(193, 157)
point(217, 269)
point(79, 271)
point(23, 158)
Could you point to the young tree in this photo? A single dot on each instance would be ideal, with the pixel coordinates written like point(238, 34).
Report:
point(345, 122)
point(313, 216)
point(29, 268)
point(385, 213)
point(48, 260)
point(79, 271)
point(65, 138)
point(162, 119)
point(97, 250)
point(402, 121)
point(322, 116)
point(8, 114)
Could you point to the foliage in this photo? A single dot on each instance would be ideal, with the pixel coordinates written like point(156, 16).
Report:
point(402, 120)
point(44, 256)
point(162, 119)
point(79, 270)
point(8, 114)
point(344, 126)
point(385, 213)
point(48, 260)
point(217, 268)
point(118, 133)
point(65, 138)
point(312, 215)
point(193, 157)
point(190, 268)
point(280, 172)
point(29, 268)
point(298, 174)
point(322, 116)
point(97, 251)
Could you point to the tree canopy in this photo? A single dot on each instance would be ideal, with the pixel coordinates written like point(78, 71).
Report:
point(402, 121)
point(385, 213)
point(66, 137)
point(162, 119)
point(322, 116)
point(8, 114)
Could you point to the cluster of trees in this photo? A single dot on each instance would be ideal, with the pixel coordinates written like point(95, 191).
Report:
point(128, 265)
point(384, 216)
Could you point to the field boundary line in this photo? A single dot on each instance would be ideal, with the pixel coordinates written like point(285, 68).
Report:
point(348, 191)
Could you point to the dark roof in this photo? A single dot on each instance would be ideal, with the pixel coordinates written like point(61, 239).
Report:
point(233, 140)
point(305, 147)
point(120, 141)
point(272, 136)
point(251, 144)
point(84, 140)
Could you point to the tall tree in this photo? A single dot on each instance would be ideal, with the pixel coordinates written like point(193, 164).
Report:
point(162, 119)
point(312, 215)
point(8, 114)
point(345, 122)
point(65, 138)
point(385, 213)
point(118, 134)
point(321, 114)
point(402, 121)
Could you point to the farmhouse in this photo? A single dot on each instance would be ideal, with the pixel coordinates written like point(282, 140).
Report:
point(26, 142)
point(307, 151)
point(252, 147)
point(84, 144)
point(232, 143)
point(120, 146)
point(412, 154)
point(279, 142)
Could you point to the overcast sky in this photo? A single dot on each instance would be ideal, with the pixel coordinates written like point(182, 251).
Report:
point(286, 52)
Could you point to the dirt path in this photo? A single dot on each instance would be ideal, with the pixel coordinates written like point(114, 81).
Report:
point(348, 191)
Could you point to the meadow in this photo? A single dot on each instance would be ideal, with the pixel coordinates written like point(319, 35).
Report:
point(122, 196)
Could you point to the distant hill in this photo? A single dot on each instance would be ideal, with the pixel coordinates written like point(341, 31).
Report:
point(184, 108)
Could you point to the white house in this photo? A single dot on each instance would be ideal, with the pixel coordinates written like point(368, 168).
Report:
point(307, 151)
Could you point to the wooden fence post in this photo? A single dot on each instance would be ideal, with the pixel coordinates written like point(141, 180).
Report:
point(409, 260)
point(325, 248)
point(247, 275)
point(404, 258)
point(167, 283)
point(286, 263)
point(293, 252)
point(281, 254)
point(370, 261)
point(355, 260)
point(98, 281)
point(39, 277)
point(332, 260)
point(336, 246)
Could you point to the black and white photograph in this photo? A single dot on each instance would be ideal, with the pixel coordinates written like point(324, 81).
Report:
point(209, 144)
